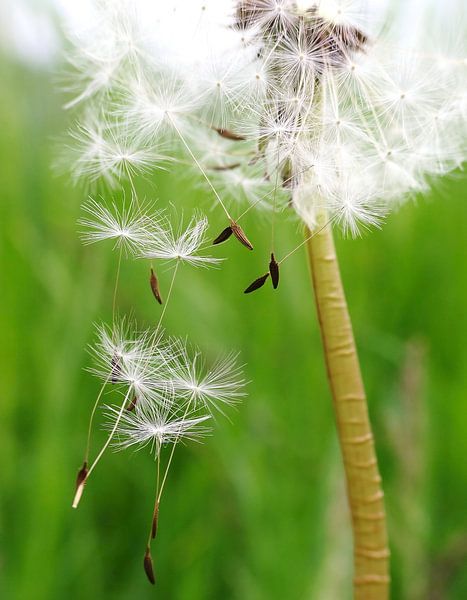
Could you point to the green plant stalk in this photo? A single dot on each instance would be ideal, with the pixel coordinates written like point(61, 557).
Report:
point(364, 490)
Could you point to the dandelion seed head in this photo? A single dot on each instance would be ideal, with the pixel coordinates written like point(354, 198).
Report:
point(311, 84)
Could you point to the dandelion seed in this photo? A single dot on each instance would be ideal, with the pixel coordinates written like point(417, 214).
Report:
point(132, 404)
point(223, 236)
point(274, 271)
point(154, 282)
point(80, 483)
point(148, 566)
point(257, 283)
point(240, 235)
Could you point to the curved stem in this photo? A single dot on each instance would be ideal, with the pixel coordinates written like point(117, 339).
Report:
point(111, 434)
point(365, 494)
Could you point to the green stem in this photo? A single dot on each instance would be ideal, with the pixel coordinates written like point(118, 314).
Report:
point(365, 494)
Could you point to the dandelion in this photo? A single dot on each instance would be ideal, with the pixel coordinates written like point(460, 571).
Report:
point(320, 108)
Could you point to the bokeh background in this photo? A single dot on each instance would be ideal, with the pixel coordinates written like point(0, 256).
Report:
point(259, 511)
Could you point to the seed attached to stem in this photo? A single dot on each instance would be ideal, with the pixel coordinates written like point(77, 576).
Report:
point(155, 286)
point(274, 271)
point(80, 482)
point(148, 567)
point(240, 235)
point(257, 283)
point(155, 521)
point(223, 236)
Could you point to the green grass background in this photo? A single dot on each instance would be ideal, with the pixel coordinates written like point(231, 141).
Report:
point(258, 512)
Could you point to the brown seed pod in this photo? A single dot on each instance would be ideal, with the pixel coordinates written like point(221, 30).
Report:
point(153, 281)
point(132, 405)
point(155, 521)
point(80, 481)
point(148, 567)
point(229, 135)
point(240, 235)
point(274, 271)
point(223, 236)
point(257, 283)
point(82, 474)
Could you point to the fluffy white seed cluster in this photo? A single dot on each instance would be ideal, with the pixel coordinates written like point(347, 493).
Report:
point(169, 393)
point(341, 108)
point(143, 232)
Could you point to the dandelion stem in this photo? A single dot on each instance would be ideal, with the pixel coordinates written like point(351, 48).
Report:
point(197, 163)
point(169, 294)
point(156, 501)
point(166, 472)
point(117, 278)
point(91, 418)
point(365, 494)
point(169, 462)
point(111, 434)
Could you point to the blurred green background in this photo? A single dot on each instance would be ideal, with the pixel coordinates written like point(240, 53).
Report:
point(258, 512)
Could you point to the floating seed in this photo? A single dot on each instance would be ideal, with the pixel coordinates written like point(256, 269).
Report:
point(223, 236)
point(80, 481)
point(132, 405)
point(148, 568)
point(155, 521)
point(229, 135)
point(274, 271)
point(155, 286)
point(257, 283)
point(240, 235)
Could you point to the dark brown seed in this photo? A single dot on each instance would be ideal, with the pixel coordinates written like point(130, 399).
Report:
point(155, 521)
point(229, 135)
point(225, 167)
point(257, 283)
point(155, 287)
point(132, 405)
point(82, 474)
point(240, 235)
point(115, 369)
point(148, 568)
point(223, 236)
point(80, 481)
point(274, 271)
